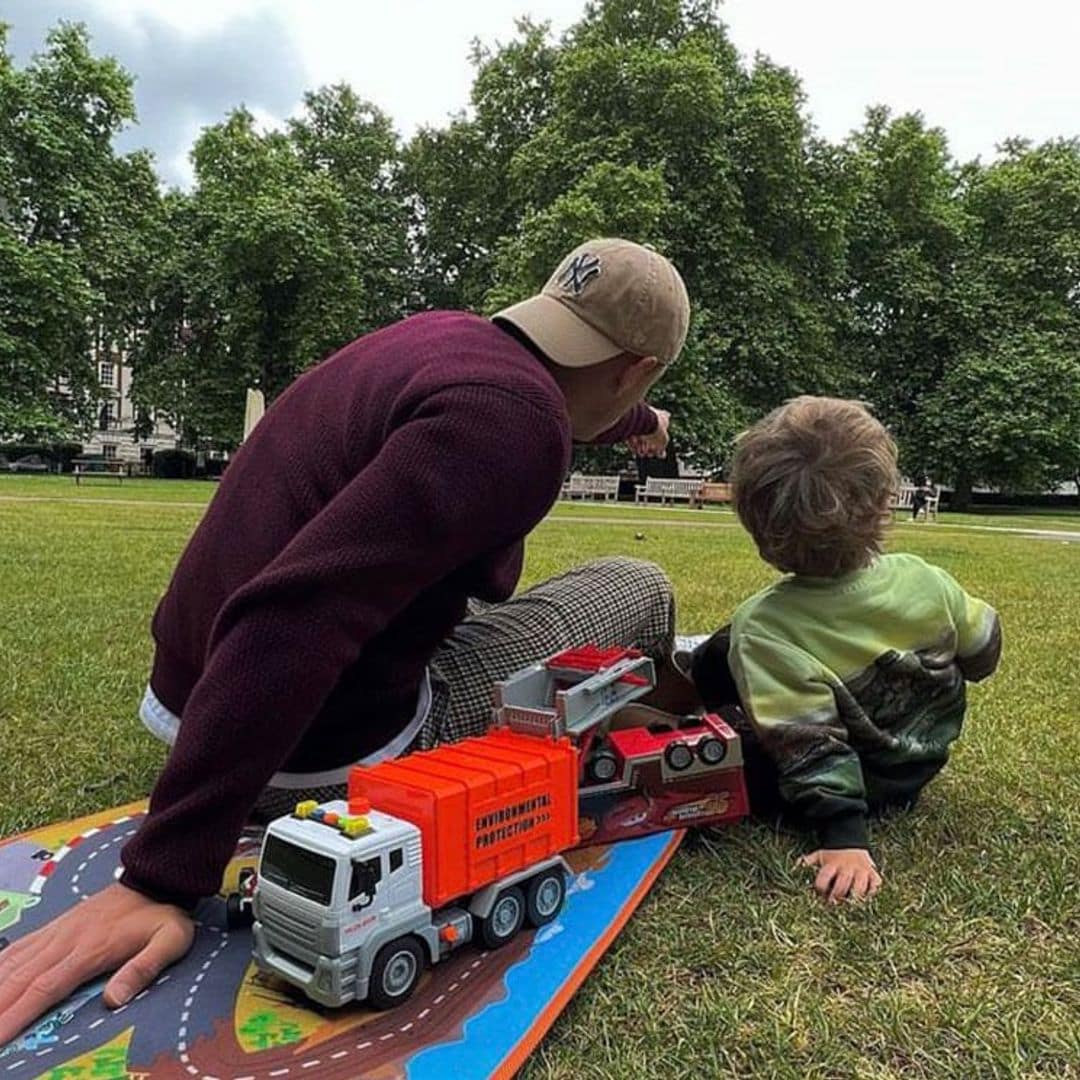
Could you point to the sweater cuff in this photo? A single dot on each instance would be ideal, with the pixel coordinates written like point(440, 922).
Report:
point(185, 901)
point(641, 419)
point(844, 831)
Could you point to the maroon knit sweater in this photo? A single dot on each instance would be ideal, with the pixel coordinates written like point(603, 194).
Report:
point(381, 490)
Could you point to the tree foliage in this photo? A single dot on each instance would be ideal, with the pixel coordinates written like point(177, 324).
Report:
point(1009, 414)
point(291, 244)
point(944, 293)
point(646, 124)
point(72, 215)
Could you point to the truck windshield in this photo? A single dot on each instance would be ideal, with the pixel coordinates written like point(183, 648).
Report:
point(303, 872)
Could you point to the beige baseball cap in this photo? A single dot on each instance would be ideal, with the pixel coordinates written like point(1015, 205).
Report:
point(606, 297)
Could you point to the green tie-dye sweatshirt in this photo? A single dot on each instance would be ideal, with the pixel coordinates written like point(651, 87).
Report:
point(856, 685)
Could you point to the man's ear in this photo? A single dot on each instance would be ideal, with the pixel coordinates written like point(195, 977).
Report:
point(637, 377)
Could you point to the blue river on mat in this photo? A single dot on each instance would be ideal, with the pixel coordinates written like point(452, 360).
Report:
point(594, 899)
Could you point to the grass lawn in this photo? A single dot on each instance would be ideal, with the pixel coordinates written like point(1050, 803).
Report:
point(201, 491)
point(1063, 519)
point(97, 488)
point(967, 965)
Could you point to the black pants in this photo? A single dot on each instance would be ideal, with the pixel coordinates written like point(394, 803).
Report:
point(712, 677)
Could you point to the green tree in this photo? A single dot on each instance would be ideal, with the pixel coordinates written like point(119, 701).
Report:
point(905, 234)
point(292, 243)
point(1016, 304)
point(353, 144)
point(456, 177)
point(644, 122)
point(1009, 416)
point(962, 302)
point(1022, 266)
point(73, 223)
point(46, 375)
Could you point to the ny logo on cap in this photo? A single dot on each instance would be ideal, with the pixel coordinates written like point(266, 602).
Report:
point(582, 269)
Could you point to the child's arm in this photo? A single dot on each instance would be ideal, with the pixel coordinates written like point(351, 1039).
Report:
point(793, 708)
point(978, 629)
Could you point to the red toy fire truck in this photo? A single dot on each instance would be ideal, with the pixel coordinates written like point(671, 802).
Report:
point(664, 772)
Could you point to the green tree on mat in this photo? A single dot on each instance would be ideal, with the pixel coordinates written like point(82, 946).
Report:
point(265, 1029)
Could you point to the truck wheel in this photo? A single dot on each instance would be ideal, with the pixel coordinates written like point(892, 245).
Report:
point(545, 897)
point(237, 913)
point(395, 973)
point(603, 766)
point(711, 750)
point(505, 918)
point(678, 756)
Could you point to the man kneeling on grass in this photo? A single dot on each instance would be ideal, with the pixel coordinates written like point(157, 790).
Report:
point(349, 592)
point(852, 669)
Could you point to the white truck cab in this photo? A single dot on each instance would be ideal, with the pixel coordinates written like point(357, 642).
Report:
point(328, 901)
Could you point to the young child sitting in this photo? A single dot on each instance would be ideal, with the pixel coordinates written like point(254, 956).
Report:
point(852, 668)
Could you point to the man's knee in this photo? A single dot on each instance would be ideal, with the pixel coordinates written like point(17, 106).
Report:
point(645, 577)
point(650, 583)
point(641, 594)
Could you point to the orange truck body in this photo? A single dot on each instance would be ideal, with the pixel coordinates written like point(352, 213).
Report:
point(486, 807)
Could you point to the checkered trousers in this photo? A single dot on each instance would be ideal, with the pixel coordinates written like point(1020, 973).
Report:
point(612, 601)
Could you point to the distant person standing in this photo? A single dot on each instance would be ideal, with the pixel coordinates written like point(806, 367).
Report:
point(919, 499)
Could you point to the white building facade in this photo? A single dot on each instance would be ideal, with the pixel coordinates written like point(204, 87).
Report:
point(114, 435)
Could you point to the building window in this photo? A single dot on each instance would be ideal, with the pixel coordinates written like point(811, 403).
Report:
point(105, 373)
point(105, 416)
point(108, 451)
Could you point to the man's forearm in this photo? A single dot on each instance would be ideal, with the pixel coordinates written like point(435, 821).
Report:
point(640, 420)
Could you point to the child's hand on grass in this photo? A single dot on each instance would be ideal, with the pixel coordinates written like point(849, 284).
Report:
point(843, 872)
point(117, 929)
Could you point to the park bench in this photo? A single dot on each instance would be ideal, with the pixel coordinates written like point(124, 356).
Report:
point(904, 500)
point(581, 486)
point(32, 463)
point(92, 466)
point(713, 492)
point(665, 488)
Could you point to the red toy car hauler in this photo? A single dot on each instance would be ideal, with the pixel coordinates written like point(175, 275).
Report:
point(668, 774)
point(664, 777)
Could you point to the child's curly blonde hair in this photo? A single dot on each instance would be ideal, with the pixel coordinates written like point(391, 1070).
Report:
point(813, 482)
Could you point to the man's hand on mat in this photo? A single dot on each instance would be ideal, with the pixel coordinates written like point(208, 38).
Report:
point(844, 872)
point(117, 930)
point(654, 445)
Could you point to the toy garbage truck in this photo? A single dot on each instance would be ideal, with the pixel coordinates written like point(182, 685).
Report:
point(430, 851)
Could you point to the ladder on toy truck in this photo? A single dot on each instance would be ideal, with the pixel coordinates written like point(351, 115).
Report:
point(572, 693)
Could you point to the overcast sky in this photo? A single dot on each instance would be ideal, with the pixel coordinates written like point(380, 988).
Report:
point(981, 71)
